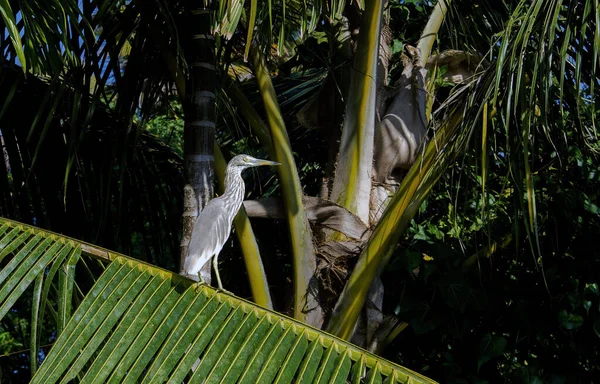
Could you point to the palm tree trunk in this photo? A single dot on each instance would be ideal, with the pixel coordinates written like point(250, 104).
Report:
point(199, 131)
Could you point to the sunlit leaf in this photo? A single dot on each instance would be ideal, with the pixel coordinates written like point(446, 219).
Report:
point(142, 323)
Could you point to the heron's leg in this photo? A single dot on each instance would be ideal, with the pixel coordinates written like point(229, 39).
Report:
point(220, 284)
point(216, 267)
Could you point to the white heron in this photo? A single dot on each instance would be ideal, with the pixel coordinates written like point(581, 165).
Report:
point(213, 224)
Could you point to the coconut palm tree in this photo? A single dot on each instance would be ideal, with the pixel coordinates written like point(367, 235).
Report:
point(393, 117)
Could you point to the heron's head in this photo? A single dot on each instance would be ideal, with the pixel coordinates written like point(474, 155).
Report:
point(244, 161)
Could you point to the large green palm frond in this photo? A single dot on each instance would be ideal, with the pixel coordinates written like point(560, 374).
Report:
point(98, 52)
point(278, 24)
point(140, 323)
point(540, 91)
point(45, 37)
point(540, 73)
point(473, 27)
point(532, 92)
point(95, 74)
point(132, 212)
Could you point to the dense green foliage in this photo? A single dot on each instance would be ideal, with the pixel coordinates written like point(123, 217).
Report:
point(470, 285)
point(493, 287)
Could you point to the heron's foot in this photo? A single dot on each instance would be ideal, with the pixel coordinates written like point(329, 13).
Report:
point(218, 276)
point(220, 286)
point(223, 290)
point(201, 280)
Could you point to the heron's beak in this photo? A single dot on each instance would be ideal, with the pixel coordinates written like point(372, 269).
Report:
point(266, 162)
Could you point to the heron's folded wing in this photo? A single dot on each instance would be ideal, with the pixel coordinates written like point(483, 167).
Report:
point(211, 231)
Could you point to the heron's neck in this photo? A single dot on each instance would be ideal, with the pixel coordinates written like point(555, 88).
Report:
point(234, 188)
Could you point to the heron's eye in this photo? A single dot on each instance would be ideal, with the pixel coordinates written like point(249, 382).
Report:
point(246, 159)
